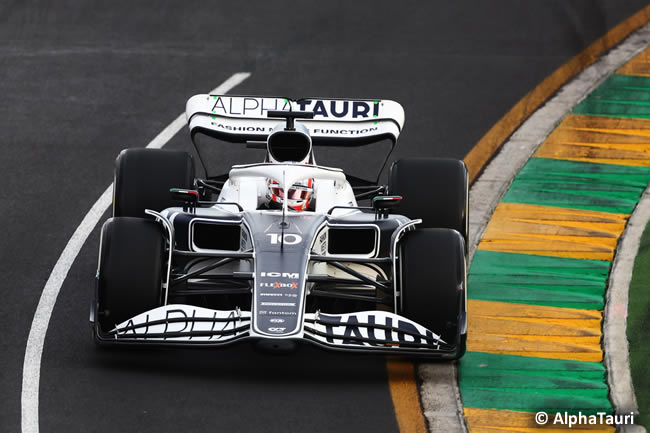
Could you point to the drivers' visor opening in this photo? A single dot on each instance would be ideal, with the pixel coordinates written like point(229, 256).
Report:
point(295, 193)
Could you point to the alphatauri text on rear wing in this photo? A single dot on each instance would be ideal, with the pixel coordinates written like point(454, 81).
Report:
point(335, 122)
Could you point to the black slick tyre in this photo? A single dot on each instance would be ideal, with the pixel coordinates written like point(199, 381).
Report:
point(432, 274)
point(130, 270)
point(143, 178)
point(434, 190)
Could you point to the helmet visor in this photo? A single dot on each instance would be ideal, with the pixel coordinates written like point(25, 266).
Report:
point(294, 193)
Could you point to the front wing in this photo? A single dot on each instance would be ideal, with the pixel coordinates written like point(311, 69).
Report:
point(366, 331)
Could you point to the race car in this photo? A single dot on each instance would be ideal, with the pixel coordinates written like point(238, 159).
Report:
point(280, 250)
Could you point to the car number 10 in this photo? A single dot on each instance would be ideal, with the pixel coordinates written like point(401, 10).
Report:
point(289, 238)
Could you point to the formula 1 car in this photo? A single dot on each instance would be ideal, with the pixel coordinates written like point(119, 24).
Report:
point(282, 250)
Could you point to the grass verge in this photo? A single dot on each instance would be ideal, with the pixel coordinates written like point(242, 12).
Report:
point(638, 328)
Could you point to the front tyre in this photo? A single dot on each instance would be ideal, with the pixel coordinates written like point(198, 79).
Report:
point(432, 274)
point(130, 273)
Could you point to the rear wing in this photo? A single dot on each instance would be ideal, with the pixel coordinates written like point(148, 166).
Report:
point(336, 122)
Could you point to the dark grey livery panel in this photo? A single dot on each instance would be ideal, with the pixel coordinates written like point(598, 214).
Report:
point(281, 257)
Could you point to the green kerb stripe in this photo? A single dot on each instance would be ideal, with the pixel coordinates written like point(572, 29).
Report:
point(538, 280)
point(579, 185)
point(619, 96)
point(492, 381)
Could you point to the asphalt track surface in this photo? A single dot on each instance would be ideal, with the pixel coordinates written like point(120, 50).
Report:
point(80, 82)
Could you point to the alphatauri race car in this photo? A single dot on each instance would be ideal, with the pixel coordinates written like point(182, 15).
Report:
point(281, 250)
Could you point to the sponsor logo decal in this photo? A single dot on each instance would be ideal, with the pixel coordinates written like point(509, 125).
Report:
point(180, 324)
point(278, 304)
point(361, 131)
point(279, 285)
point(259, 107)
point(241, 128)
point(291, 275)
point(375, 330)
point(249, 106)
point(276, 313)
point(322, 240)
point(340, 109)
point(315, 131)
point(276, 330)
point(276, 320)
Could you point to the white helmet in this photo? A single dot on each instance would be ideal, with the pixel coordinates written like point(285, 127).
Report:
point(298, 197)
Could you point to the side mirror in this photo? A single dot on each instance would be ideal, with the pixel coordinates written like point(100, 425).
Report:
point(185, 195)
point(385, 202)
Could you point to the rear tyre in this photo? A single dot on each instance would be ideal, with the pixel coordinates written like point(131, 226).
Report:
point(130, 269)
point(143, 178)
point(434, 190)
point(433, 283)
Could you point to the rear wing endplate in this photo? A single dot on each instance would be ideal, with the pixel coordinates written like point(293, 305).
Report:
point(336, 122)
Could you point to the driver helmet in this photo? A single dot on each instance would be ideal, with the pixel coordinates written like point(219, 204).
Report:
point(284, 147)
point(298, 197)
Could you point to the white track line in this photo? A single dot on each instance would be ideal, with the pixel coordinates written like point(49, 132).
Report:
point(38, 330)
point(617, 352)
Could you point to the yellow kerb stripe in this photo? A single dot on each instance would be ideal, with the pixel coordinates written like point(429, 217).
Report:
point(533, 330)
point(640, 65)
point(553, 231)
point(500, 421)
point(596, 139)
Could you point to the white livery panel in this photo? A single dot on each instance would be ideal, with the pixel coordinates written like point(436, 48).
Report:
point(366, 330)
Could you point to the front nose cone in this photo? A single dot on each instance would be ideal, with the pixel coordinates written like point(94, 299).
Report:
point(273, 345)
